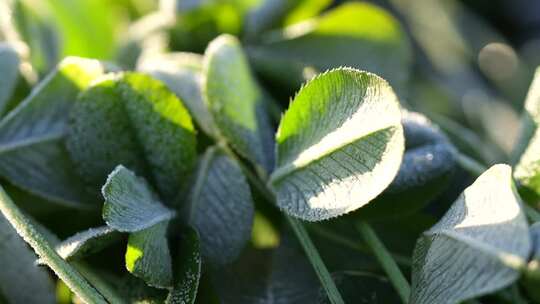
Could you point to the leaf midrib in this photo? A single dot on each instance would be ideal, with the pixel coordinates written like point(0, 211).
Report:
point(507, 259)
point(293, 165)
point(4, 148)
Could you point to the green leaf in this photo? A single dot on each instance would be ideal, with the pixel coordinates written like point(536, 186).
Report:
point(148, 256)
point(527, 150)
point(32, 155)
point(87, 242)
point(221, 207)
point(359, 35)
point(236, 101)
point(19, 274)
point(187, 271)
point(339, 145)
point(426, 170)
point(182, 72)
point(87, 27)
point(133, 120)
point(130, 204)
point(9, 65)
point(478, 247)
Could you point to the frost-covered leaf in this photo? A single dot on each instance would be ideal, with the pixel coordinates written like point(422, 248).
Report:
point(221, 207)
point(426, 170)
point(527, 150)
point(358, 35)
point(130, 204)
point(32, 155)
point(148, 256)
point(21, 281)
point(535, 240)
point(133, 120)
point(187, 270)
point(87, 242)
point(9, 65)
point(182, 72)
point(236, 101)
point(339, 145)
point(282, 275)
point(477, 247)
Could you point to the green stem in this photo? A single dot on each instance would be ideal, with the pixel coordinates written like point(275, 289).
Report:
point(99, 283)
point(352, 244)
point(73, 279)
point(316, 261)
point(474, 167)
point(385, 259)
point(300, 232)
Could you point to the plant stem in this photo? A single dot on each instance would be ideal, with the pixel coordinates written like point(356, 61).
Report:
point(316, 261)
point(353, 244)
point(99, 283)
point(300, 231)
point(46, 252)
point(474, 167)
point(385, 259)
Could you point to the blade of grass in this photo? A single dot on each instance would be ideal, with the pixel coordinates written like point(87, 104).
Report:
point(316, 261)
point(385, 259)
point(300, 231)
point(71, 277)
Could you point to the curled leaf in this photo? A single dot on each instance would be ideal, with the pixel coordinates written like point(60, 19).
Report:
point(479, 246)
point(339, 145)
point(87, 242)
point(222, 207)
point(148, 256)
point(130, 204)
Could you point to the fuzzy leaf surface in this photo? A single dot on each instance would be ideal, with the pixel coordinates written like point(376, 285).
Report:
point(87, 242)
point(339, 145)
point(32, 154)
point(222, 207)
point(130, 204)
point(237, 102)
point(477, 247)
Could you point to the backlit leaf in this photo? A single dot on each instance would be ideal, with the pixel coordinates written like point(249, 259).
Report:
point(359, 35)
point(222, 207)
point(32, 154)
point(9, 65)
point(130, 204)
point(478, 246)
point(148, 256)
point(133, 120)
point(236, 101)
point(527, 150)
point(87, 242)
point(339, 145)
point(182, 74)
